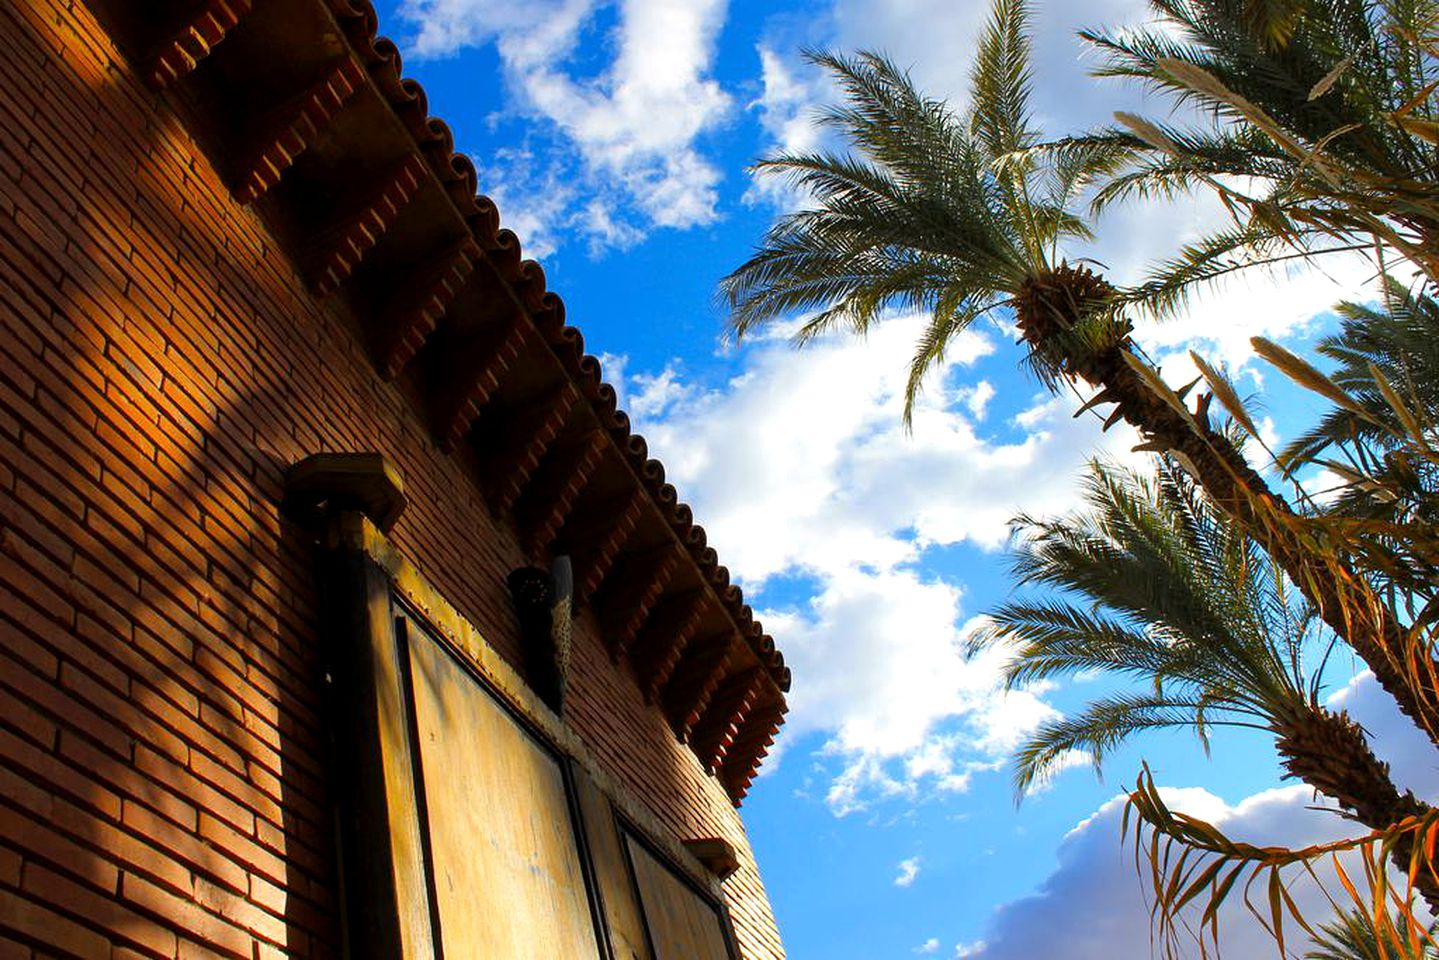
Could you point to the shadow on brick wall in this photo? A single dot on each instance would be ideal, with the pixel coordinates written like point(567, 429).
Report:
point(161, 754)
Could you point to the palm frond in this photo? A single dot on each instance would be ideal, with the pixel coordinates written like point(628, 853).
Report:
point(1108, 722)
point(1156, 588)
point(1000, 81)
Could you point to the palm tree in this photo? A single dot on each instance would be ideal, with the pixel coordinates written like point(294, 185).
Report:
point(1353, 937)
point(965, 217)
point(1317, 127)
point(1157, 587)
point(1381, 444)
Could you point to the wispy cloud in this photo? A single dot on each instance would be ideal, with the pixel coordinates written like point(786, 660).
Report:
point(624, 140)
point(908, 870)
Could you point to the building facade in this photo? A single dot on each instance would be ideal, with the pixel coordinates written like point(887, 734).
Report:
point(286, 420)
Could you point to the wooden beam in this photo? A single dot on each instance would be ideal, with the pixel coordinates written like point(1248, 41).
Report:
point(181, 52)
point(716, 730)
point(659, 646)
point(343, 245)
point(700, 670)
point(416, 310)
point(529, 434)
point(717, 854)
point(750, 748)
point(475, 370)
point(284, 132)
point(323, 483)
point(596, 537)
point(561, 479)
point(640, 577)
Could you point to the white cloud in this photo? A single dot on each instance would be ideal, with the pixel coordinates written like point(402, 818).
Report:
point(635, 124)
point(656, 393)
point(532, 30)
point(793, 463)
point(1094, 903)
point(977, 397)
point(800, 466)
point(1323, 486)
point(974, 949)
point(1274, 304)
point(908, 870)
point(786, 108)
point(534, 200)
point(929, 946)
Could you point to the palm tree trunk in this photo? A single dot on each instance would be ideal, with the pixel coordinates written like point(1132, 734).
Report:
point(1345, 601)
point(1329, 752)
point(1050, 307)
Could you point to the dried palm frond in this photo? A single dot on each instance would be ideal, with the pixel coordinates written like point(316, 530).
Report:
point(1189, 863)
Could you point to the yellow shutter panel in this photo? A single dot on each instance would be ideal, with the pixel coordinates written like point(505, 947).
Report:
point(508, 880)
point(683, 925)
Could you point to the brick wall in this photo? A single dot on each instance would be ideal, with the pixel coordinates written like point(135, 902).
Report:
point(161, 783)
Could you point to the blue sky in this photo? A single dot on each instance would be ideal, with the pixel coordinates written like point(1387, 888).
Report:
point(614, 136)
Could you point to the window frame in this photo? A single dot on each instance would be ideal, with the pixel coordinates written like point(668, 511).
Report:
point(371, 599)
point(629, 832)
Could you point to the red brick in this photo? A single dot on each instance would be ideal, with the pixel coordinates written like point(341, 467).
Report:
point(29, 919)
point(67, 710)
point(195, 791)
point(98, 908)
point(38, 842)
point(243, 849)
point(186, 852)
point(185, 916)
point(9, 867)
point(161, 800)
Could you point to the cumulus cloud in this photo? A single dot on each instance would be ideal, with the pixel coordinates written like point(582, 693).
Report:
point(908, 870)
point(1094, 903)
point(800, 467)
point(625, 149)
point(1219, 321)
point(929, 946)
point(794, 461)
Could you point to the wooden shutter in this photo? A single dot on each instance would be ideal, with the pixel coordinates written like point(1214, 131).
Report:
point(683, 924)
point(507, 875)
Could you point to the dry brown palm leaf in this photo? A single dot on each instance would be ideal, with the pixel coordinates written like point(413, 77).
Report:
point(1189, 862)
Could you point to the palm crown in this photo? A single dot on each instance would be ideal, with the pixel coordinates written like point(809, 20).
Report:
point(1315, 124)
point(1156, 587)
point(962, 216)
point(934, 212)
point(1355, 936)
point(1382, 444)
